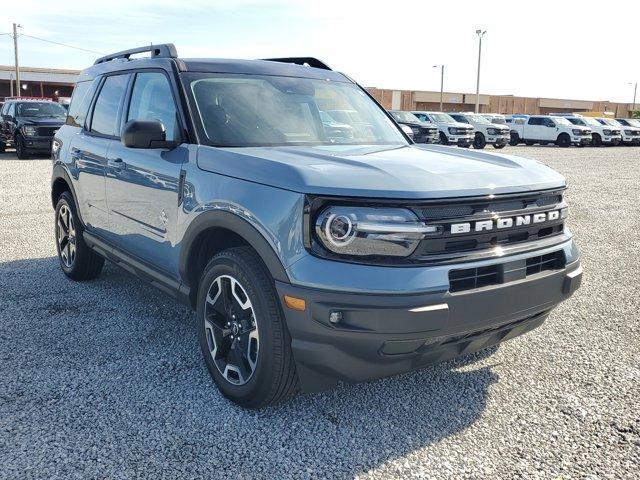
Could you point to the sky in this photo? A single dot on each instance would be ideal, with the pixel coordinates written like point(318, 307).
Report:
point(557, 49)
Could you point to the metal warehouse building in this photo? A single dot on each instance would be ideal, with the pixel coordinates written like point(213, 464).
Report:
point(458, 102)
point(38, 82)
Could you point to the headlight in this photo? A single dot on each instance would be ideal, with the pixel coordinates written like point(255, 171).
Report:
point(492, 131)
point(628, 132)
point(577, 131)
point(29, 130)
point(606, 132)
point(366, 231)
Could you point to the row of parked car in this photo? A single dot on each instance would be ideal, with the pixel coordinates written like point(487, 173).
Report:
point(563, 129)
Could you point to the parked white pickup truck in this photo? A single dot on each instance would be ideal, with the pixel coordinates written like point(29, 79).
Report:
point(630, 130)
point(544, 129)
point(600, 134)
point(486, 131)
point(451, 132)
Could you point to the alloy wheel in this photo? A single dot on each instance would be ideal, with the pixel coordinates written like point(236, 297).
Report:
point(231, 330)
point(66, 234)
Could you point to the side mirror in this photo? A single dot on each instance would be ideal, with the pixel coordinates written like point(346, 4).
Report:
point(145, 134)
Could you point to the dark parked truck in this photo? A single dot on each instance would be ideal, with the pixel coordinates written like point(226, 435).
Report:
point(423, 132)
point(309, 257)
point(29, 125)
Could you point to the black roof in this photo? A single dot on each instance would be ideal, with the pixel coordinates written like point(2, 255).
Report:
point(165, 56)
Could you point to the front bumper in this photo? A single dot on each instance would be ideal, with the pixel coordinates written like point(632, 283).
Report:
point(386, 334)
point(631, 140)
point(460, 139)
point(499, 139)
point(37, 143)
point(585, 140)
point(612, 140)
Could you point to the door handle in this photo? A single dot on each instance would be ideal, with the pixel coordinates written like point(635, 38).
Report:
point(116, 163)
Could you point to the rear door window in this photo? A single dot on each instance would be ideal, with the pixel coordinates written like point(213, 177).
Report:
point(80, 102)
point(107, 107)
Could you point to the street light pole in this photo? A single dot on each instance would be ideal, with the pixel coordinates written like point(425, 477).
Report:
point(15, 53)
point(635, 90)
point(480, 34)
point(441, 83)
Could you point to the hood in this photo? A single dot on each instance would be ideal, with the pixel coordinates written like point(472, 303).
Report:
point(402, 172)
point(454, 124)
point(499, 126)
point(53, 121)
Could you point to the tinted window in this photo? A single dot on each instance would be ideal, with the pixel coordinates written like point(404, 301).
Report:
point(535, 121)
point(576, 121)
point(151, 99)
point(41, 109)
point(12, 109)
point(80, 101)
point(4, 108)
point(547, 122)
point(459, 118)
point(105, 113)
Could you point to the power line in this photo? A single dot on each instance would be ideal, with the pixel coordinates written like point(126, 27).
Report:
point(62, 44)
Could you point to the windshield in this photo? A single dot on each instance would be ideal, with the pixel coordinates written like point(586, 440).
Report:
point(610, 121)
point(254, 110)
point(561, 121)
point(633, 122)
point(442, 118)
point(40, 109)
point(479, 119)
point(498, 120)
point(591, 121)
point(405, 117)
point(577, 121)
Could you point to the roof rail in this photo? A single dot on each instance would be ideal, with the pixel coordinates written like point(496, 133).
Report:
point(163, 50)
point(308, 61)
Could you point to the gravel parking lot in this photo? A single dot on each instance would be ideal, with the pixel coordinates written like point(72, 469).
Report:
point(105, 379)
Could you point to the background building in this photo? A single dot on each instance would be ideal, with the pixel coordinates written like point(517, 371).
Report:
point(38, 82)
point(458, 102)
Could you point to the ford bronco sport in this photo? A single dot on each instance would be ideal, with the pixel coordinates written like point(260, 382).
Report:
point(310, 256)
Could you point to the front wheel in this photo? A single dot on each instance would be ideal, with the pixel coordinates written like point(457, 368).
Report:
point(498, 147)
point(596, 140)
point(77, 260)
point(479, 141)
point(564, 140)
point(242, 331)
point(21, 152)
point(443, 139)
point(514, 140)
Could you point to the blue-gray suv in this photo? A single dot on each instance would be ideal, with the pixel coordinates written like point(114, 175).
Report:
point(311, 254)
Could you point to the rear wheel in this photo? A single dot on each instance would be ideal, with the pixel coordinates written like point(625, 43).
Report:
point(564, 140)
point(479, 141)
point(21, 152)
point(515, 139)
point(596, 140)
point(77, 260)
point(498, 146)
point(242, 331)
point(3, 146)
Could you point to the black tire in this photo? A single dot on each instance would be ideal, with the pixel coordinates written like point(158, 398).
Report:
point(564, 140)
point(498, 147)
point(515, 139)
point(83, 263)
point(443, 139)
point(544, 143)
point(596, 140)
point(21, 152)
point(479, 142)
point(3, 146)
point(529, 143)
point(273, 377)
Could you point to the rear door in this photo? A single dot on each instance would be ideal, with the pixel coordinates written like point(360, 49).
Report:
point(88, 151)
point(143, 184)
point(535, 130)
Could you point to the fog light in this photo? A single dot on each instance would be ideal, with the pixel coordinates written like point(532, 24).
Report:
point(335, 317)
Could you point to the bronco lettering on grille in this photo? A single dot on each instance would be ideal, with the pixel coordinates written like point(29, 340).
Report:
point(502, 223)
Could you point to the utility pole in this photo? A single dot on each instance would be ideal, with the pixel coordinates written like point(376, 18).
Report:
point(441, 83)
point(635, 90)
point(15, 53)
point(480, 34)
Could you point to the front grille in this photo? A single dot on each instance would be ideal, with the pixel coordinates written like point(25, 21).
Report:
point(47, 131)
point(445, 216)
point(478, 277)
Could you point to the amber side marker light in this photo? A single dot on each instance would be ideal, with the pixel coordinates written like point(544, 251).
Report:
point(295, 303)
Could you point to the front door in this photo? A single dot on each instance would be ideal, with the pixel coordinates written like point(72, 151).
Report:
point(143, 184)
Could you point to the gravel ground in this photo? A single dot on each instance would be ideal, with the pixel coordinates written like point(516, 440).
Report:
point(105, 379)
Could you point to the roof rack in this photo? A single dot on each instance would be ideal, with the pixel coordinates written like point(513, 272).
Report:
point(307, 61)
point(163, 50)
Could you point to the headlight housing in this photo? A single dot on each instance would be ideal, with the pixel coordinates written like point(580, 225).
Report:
point(577, 131)
point(628, 132)
point(606, 132)
point(492, 131)
point(29, 130)
point(370, 231)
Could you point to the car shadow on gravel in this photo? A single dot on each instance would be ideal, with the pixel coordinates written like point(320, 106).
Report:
point(107, 376)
